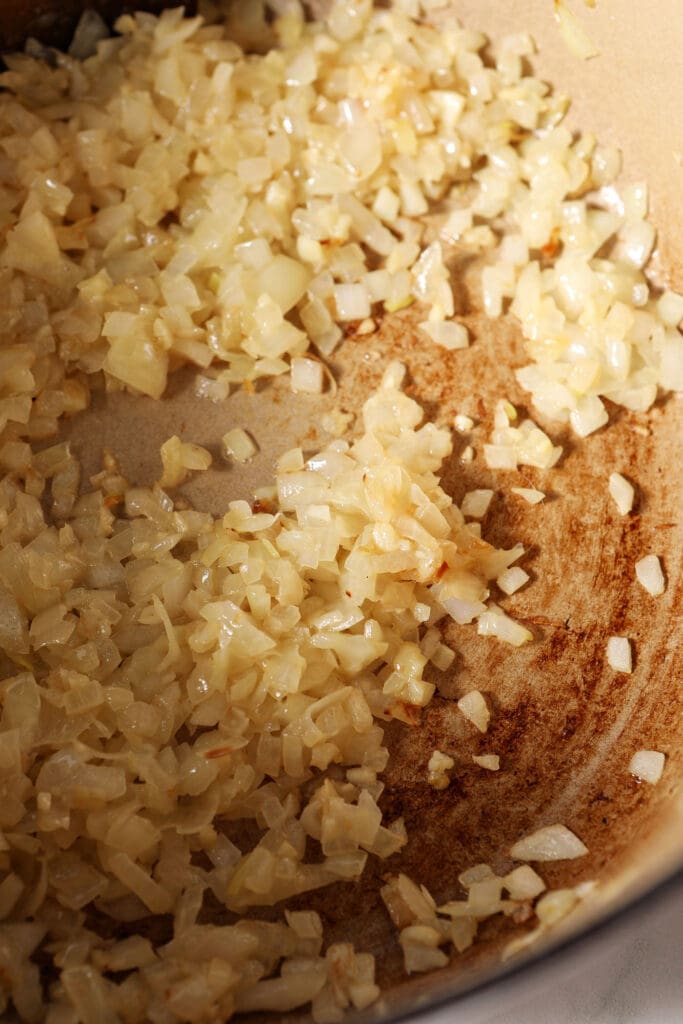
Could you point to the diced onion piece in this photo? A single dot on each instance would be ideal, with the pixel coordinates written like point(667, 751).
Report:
point(477, 873)
point(494, 622)
point(442, 657)
point(489, 761)
point(553, 842)
point(238, 445)
point(574, 34)
point(394, 375)
point(670, 308)
point(529, 494)
point(650, 575)
point(307, 376)
point(179, 458)
point(522, 883)
point(352, 301)
point(635, 200)
point(475, 709)
point(285, 280)
point(499, 456)
point(619, 656)
point(555, 905)
point(448, 333)
point(588, 416)
point(406, 902)
point(437, 770)
point(647, 765)
point(622, 491)
point(420, 944)
point(91, 28)
point(463, 423)
point(462, 611)
point(476, 503)
point(512, 579)
point(305, 923)
point(483, 898)
point(367, 326)
point(636, 242)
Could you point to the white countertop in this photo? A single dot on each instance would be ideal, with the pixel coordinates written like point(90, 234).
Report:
point(631, 974)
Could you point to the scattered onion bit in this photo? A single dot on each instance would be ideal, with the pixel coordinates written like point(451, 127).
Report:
point(647, 765)
point(237, 444)
point(424, 927)
point(650, 575)
point(575, 36)
point(529, 494)
point(494, 622)
point(438, 768)
point(449, 334)
point(489, 761)
point(462, 423)
point(525, 445)
point(512, 579)
point(473, 706)
point(476, 503)
point(179, 458)
point(622, 491)
point(619, 655)
point(552, 842)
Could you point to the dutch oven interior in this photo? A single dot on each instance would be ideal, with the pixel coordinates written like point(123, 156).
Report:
point(564, 724)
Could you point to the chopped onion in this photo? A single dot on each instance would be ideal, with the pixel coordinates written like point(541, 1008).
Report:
point(530, 494)
point(622, 491)
point(522, 883)
point(553, 842)
point(647, 765)
point(352, 301)
point(237, 444)
point(462, 611)
point(179, 458)
point(175, 670)
point(437, 770)
point(495, 622)
point(574, 34)
point(448, 333)
point(463, 424)
point(619, 655)
point(670, 308)
point(650, 575)
point(474, 708)
point(307, 376)
point(512, 579)
point(91, 28)
point(476, 503)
